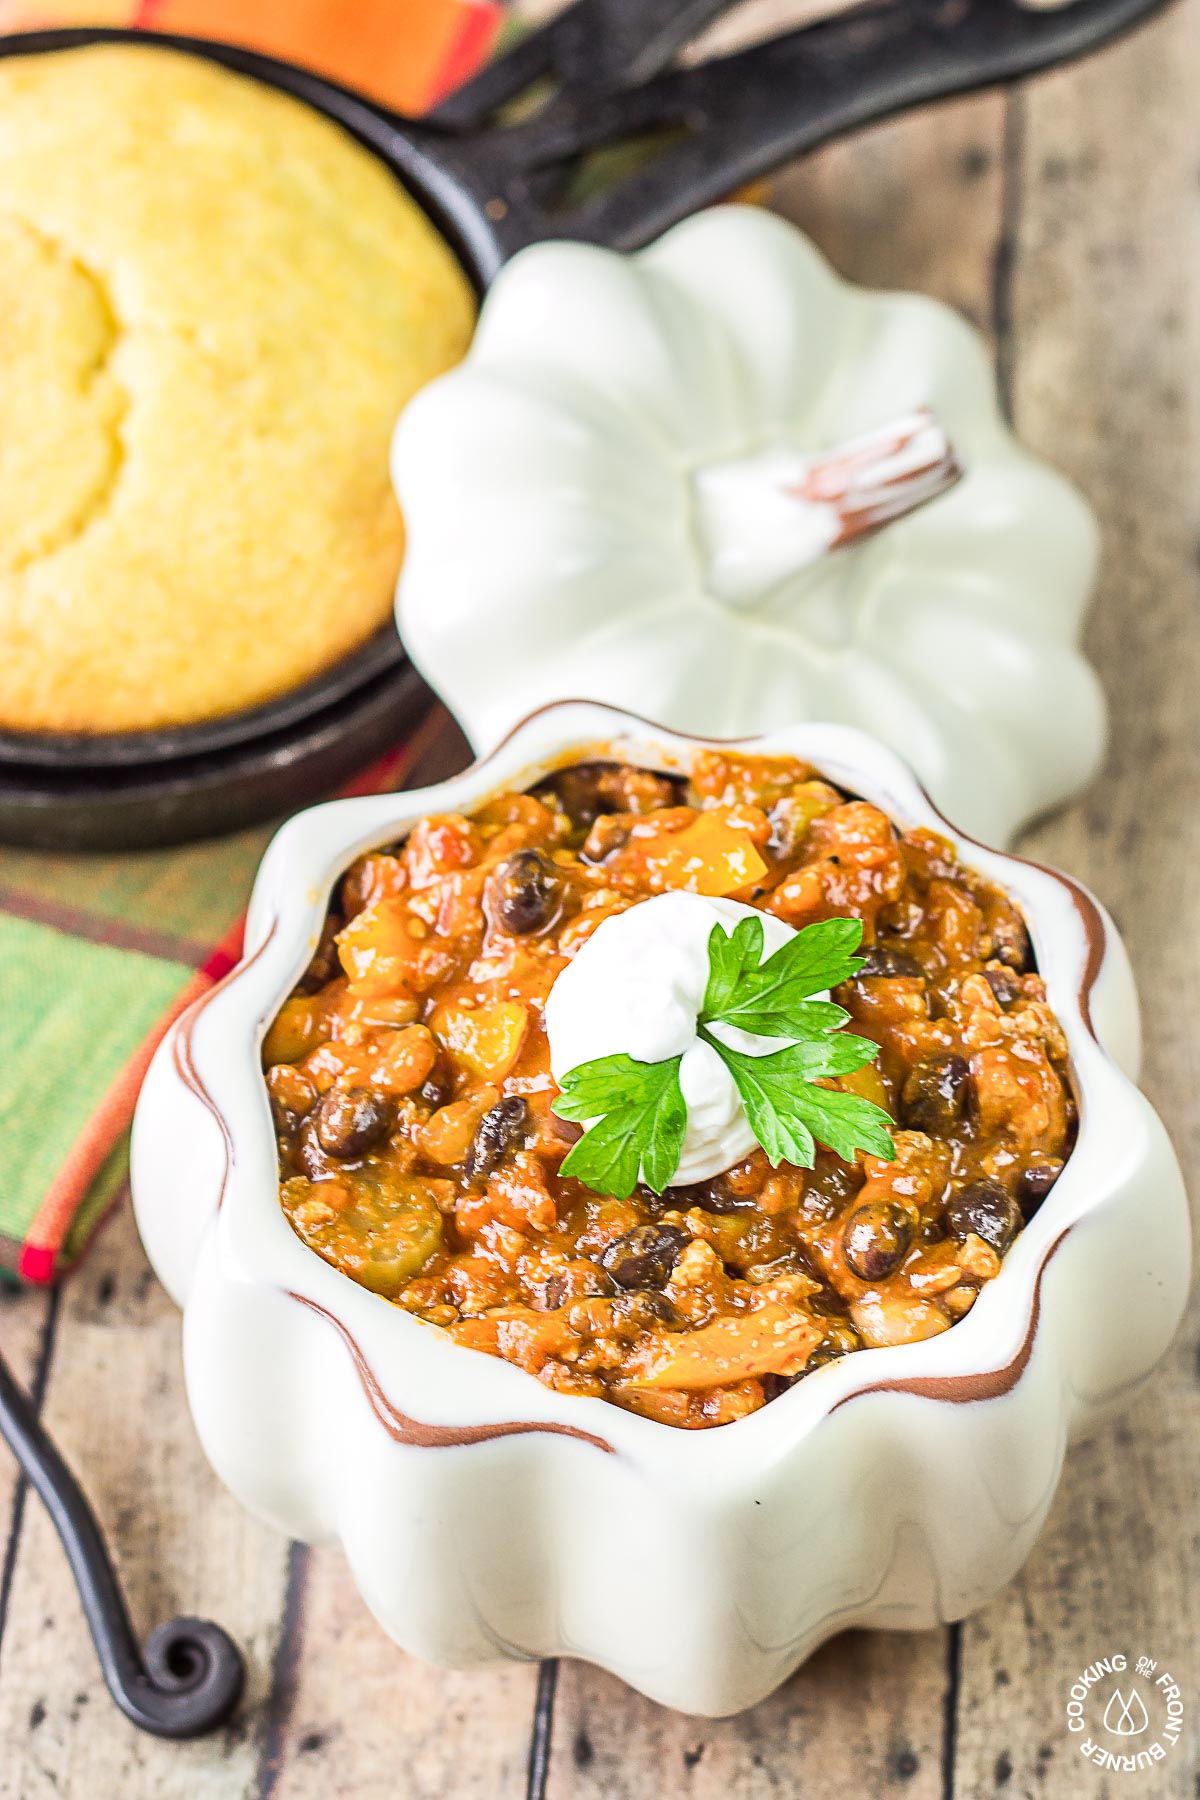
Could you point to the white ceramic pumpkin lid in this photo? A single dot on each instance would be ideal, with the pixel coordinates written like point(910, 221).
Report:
point(714, 484)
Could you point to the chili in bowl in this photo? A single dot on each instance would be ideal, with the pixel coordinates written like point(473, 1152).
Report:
point(412, 1327)
point(410, 1077)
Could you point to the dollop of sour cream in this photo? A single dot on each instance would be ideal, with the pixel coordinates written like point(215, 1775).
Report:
point(637, 986)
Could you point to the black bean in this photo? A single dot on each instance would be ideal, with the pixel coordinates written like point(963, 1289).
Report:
point(1010, 942)
point(589, 789)
point(714, 1197)
point(884, 960)
point(840, 1339)
point(285, 1118)
point(1037, 1180)
point(310, 1155)
point(525, 894)
point(350, 1120)
point(498, 1130)
point(876, 1238)
point(606, 837)
point(645, 1308)
point(935, 1094)
point(324, 964)
point(438, 1089)
point(1004, 983)
point(831, 1183)
point(988, 1211)
point(645, 1256)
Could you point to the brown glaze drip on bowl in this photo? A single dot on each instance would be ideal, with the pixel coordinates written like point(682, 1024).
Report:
point(986, 1384)
point(404, 1429)
point(399, 1426)
point(1094, 931)
point(183, 1057)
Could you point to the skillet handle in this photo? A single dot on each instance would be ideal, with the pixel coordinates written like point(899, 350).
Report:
point(727, 121)
point(592, 47)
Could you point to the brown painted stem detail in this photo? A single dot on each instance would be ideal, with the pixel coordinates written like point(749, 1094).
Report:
point(854, 480)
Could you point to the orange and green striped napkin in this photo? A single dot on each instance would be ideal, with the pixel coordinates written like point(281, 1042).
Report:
point(407, 53)
point(99, 954)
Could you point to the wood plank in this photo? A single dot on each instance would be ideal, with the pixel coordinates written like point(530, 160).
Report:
point(1105, 359)
point(26, 1316)
point(913, 203)
point(115, 1402)
point(355, 1710)
point(864, 1715)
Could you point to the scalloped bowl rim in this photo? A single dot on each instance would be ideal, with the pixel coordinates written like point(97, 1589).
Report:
point(226, 1027)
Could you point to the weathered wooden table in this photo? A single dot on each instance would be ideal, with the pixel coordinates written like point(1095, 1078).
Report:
point(1065, 220)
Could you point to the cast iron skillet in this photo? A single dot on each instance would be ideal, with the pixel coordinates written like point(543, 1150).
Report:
point(492, 187)
point(116, 750)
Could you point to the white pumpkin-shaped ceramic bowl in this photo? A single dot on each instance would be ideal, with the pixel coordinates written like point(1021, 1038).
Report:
point(485, 1515)
point(714, 484)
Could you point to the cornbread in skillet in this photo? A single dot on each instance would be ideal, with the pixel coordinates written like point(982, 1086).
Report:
point(215, 304)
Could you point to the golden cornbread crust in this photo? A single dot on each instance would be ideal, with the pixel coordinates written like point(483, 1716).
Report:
point(214, 305)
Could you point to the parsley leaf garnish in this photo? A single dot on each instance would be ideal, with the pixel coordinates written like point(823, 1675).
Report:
point(771, 998)
point(638, 1110)
point(641, 1119)
point(786, 1112)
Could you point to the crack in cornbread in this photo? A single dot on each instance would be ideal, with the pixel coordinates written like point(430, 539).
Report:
point(67, 349)
point(215, 305)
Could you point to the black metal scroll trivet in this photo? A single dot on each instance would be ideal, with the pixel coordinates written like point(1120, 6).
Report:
point(189, 1679)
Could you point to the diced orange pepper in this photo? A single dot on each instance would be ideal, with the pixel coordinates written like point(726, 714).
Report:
point(298, 1027)
point(377, 949)
point(374, 877)
point(714, 856)
point(477, 1333)
point(867, 1083)
point(517, 1195)
point(485, 1039)
point(530, 1338)
point(772, 1339)
point(516, 1333)
point(402, 1060)
point(666, 1406)
point(447, 1134)
point(903, 1317)
point(437, 846)
point(394, 1062)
